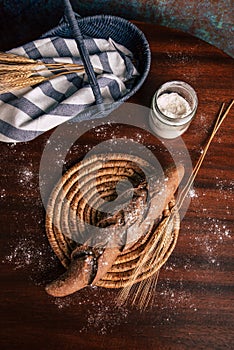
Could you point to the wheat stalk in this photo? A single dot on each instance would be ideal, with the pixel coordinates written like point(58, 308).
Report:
point(18, 72)
point(17, 80)
point(20, 84)
point(38, 66)
point(11, 58)
point(158, 246)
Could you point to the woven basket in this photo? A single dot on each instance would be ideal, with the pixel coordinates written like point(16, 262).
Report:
point(88, 182)
point(105, 26)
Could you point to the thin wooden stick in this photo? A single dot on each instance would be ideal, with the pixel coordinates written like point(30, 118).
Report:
point(218, 123)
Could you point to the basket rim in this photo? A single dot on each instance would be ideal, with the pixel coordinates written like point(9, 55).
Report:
point(147, 52)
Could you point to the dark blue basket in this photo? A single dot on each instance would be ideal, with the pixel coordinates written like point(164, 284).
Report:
point(105, 26)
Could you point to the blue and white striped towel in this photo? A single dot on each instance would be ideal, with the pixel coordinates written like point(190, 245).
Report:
point(28, 112)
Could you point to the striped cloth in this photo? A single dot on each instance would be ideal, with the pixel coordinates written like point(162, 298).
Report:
point(28, 112)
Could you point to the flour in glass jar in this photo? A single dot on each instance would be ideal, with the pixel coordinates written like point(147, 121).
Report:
point(173, 107)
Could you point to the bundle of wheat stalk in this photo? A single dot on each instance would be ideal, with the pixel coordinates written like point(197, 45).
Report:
point(17, 72)
point(77, 200)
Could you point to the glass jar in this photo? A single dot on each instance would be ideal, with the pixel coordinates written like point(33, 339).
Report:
point(173, 107)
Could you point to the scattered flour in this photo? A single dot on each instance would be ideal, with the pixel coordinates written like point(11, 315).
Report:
point(192, 193)
point(105, 318)
point(101, 316)
point(25, 175)
point(26, 253)
point(2, 193)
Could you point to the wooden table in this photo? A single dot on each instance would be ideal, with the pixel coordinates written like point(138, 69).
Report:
point(193, 301)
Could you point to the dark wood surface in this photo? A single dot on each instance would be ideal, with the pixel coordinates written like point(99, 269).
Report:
point(193, 301)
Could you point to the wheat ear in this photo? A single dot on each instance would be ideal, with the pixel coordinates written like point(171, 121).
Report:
point(11, 58)
point(17, 80)
point(18, 72)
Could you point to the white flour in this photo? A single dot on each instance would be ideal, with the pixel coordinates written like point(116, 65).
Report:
point(173, 105)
